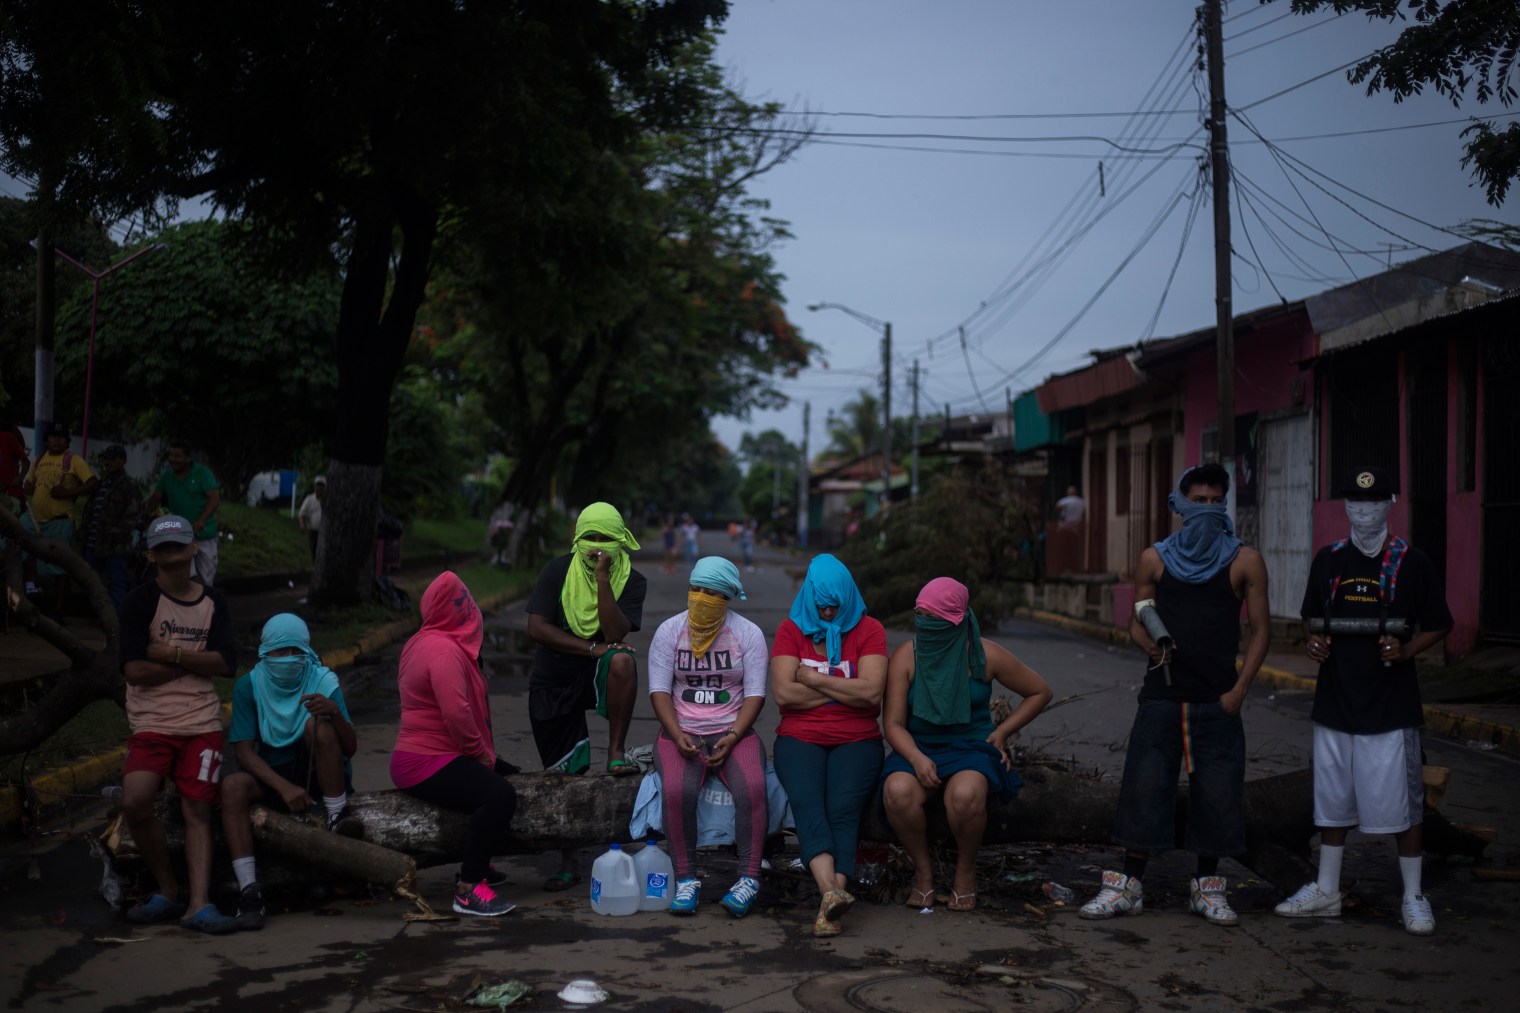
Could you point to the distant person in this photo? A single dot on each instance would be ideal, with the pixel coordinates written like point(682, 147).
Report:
point(291, 741)
point(1190, 701)
point(108, 528)
point(1367, 714)
point(828, 671)
point(176, 637)
point(14, 461)
point(310, 515)
point(1071, 509)
point(691, 537)
point(189, 489)
point(938, 722)
point(582, 606)
point(668, 533)
point(747, 545)
point(58, 478)
point(444, 751)
point(707, 676)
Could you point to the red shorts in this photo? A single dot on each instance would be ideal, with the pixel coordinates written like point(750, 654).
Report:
point(195, 761)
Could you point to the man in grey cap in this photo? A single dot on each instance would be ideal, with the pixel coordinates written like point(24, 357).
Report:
point(109, 524)
point(176, 637)
point(1367, 713)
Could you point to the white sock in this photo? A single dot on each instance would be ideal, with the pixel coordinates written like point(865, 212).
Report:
point(1409, 868)
point(334, 804)
point(1330, 868)
point(242, 868)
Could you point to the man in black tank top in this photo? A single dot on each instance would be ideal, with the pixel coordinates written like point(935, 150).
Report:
point(1189, 713)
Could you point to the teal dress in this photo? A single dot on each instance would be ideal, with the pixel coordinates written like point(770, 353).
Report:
point(954, 748)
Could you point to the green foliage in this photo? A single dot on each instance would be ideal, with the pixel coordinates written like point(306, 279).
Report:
point(195, 340)
point(1453, 45)
point(855, 430)
point(980, 548)
point(436, 440)
point(768, 454)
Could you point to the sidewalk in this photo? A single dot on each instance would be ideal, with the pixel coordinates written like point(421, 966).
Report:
point(1495, 725)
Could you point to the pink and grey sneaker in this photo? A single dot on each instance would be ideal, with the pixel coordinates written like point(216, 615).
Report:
point(483, 901)
point(1121, 895)
point(1208, 899)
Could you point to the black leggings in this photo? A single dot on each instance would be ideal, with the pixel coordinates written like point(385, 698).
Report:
point(465, 786)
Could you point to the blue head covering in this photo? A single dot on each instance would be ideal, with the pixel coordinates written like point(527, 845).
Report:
point(280, 682)
point(828, 583)
point(1205, 545)
point(717, 574)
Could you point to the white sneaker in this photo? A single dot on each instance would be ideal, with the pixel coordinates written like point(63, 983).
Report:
point(1311, 902)
point(1419, 920)
point(1121, 895)
point(1208, 899)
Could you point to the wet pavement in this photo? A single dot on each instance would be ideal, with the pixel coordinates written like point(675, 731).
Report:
point(65, 950)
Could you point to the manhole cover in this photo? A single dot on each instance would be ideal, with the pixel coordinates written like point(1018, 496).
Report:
point(879, 991)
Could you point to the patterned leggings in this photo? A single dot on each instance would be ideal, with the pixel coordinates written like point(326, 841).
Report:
point(680, 782)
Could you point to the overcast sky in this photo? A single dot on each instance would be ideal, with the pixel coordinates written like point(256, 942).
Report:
point(923, 238)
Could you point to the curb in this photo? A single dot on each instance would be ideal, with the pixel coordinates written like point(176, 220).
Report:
point(84, 776)
point(1438, 720)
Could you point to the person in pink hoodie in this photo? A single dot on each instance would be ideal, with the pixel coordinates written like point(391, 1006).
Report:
point(444, 754)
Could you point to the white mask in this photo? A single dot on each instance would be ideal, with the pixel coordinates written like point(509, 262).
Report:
point(1369, 524)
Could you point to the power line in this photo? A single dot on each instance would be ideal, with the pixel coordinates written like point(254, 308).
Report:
point(1079, 156)
point(1007, 116)
point(1301, 84)
point(1272, 42)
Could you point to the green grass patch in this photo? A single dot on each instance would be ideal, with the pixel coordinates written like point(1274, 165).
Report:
point(432, 536)
point(258, 542)
point(100, 727)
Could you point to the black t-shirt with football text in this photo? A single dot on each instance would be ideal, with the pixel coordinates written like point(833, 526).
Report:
point(551, 667)
point(1356, 692)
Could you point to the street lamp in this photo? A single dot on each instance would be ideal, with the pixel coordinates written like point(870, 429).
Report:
point(885, 327)
point(89, 368)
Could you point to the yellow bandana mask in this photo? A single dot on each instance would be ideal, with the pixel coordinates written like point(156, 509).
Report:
point(705, 616)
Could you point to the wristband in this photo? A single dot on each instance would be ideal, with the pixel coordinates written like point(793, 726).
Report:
point(734, 732)
point(177, 652)
point(591, 647)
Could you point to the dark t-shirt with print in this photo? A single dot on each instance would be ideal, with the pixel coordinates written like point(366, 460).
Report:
point(1356, 693)
point(550, 668)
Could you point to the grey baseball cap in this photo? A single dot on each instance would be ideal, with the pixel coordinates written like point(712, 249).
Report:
point(170, 528)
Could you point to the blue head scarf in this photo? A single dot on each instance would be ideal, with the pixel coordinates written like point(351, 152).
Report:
point(717, 574)
point(1205, 545)
point(828, 583)
point(280, 682)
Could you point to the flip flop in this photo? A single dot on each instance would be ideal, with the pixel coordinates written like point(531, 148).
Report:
point(156, 908)
point(622, 768)
point(962, 901)
point(920, 899)
point(561, 881)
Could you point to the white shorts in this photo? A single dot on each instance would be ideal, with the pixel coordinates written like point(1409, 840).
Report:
point(1371, 781)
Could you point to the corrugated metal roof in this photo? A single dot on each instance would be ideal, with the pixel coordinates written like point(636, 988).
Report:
point(1084, 386)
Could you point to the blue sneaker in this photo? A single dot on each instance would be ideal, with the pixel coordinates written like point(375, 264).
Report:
point(740, 896)
point(687, 891)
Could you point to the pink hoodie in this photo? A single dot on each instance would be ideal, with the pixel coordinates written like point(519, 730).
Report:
point(444, 707)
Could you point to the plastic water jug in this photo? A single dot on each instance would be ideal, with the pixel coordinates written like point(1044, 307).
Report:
point(656, 877)
point(614, 884)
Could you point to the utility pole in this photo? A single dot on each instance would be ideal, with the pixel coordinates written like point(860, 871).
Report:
point(886, 420)
point(913, 488)
point(775, 484)
point(1220, 170)
point(42, 386)
point(804, 472)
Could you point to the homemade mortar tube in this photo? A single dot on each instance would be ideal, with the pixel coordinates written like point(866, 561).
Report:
point(1399, 628)
point(1150, 619)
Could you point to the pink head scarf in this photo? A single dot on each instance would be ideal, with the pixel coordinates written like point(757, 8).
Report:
point(448, 609)
point(946, 598)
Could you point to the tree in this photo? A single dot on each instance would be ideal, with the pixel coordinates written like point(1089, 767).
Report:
point(371, 128)
point(1452, 46)
point(855, 430)
point(197, 341)
point(771, 458)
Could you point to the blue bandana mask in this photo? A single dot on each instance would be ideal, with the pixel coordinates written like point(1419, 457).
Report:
point(1205, 545)
point(286, 672)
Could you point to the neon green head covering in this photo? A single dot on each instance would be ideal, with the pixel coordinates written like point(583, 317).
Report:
point(578, 596)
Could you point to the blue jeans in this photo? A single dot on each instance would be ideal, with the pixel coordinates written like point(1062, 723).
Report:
point(828, 787)
point(113, 573)
point(1164, 732)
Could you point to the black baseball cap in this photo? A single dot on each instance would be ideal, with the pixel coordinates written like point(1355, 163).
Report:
point(115, 450)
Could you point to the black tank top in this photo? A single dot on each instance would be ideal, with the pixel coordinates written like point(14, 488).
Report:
point(1204, 621)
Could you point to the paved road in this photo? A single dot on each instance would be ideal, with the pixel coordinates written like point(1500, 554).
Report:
point(361, 957)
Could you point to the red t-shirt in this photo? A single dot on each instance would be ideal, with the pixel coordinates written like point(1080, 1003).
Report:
point(833, 723)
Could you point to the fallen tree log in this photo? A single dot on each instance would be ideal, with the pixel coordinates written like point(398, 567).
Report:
point(557, 811)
